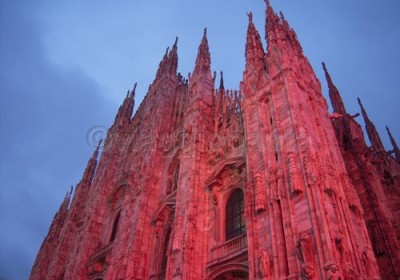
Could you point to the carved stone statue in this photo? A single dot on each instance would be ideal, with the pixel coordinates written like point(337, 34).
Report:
point(308, 271)
point(260, 193)
point(265, 265)
point(331, 272)
point(306, 247)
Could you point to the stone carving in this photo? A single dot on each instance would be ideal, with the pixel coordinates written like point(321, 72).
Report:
point(350, 274)
point(305, 248)
point(296, 183)
point(260, 193)
point(214, 200)
point(265, 265)
point(308, 271)
point(331, 272)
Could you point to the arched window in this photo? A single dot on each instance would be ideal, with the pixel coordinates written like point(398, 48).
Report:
point(115, 227)
point(235, 224)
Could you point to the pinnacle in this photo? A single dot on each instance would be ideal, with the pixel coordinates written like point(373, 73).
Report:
point(278, 31)
point(254, 48)
point(221, 83)
point(203, 60)
point(364, 113)
point(169, 62)
point(359, 103)
point(324, 67)
point(334, 95)
point(133, 90)
point(250, 15)
point(394, 144)
point(373, 135)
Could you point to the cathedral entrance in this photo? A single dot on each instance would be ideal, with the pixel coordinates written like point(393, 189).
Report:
point(233, 275)
point(232, 271)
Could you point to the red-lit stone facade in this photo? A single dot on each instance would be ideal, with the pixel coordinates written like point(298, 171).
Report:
point(209, 183)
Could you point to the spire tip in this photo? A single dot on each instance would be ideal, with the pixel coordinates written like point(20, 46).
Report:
point(99, 144)
point(250, 15)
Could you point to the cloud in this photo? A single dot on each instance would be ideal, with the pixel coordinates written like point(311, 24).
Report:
point(45, 114)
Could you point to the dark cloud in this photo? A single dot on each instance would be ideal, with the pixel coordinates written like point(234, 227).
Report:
point(45, 114)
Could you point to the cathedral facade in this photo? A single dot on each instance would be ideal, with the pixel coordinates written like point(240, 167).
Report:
point(209, 183)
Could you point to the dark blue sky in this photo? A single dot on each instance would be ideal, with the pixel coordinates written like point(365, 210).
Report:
point(66, 67)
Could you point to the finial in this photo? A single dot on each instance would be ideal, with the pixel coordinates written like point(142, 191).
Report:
point(328, 77)
point(176, 42)
point(364, 113)
point(359, 102)
point(267, 2)
point(132, 92)
point(282, 15)
point(221, 83)
point(394, 144)
point(166, 52)
point(250, 15)
point(205, 31)
point(99, 144)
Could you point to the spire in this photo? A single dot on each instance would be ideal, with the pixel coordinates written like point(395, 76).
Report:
point(278, 31)
point(201, 84)
point(394, 144)
point(91, 166)
point(173, 58)
point(334, 95)
point(203, 61)
point(169, 63)
point(65, 204)
point(126, 109)
point(254, 48)
point(373, 135)
point(272, 20)
point(221, 82)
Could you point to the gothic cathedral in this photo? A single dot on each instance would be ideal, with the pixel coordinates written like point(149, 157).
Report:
point(209, 183)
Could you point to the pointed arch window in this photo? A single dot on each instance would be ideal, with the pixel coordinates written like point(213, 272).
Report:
point(234, 215)
point(115, 227)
